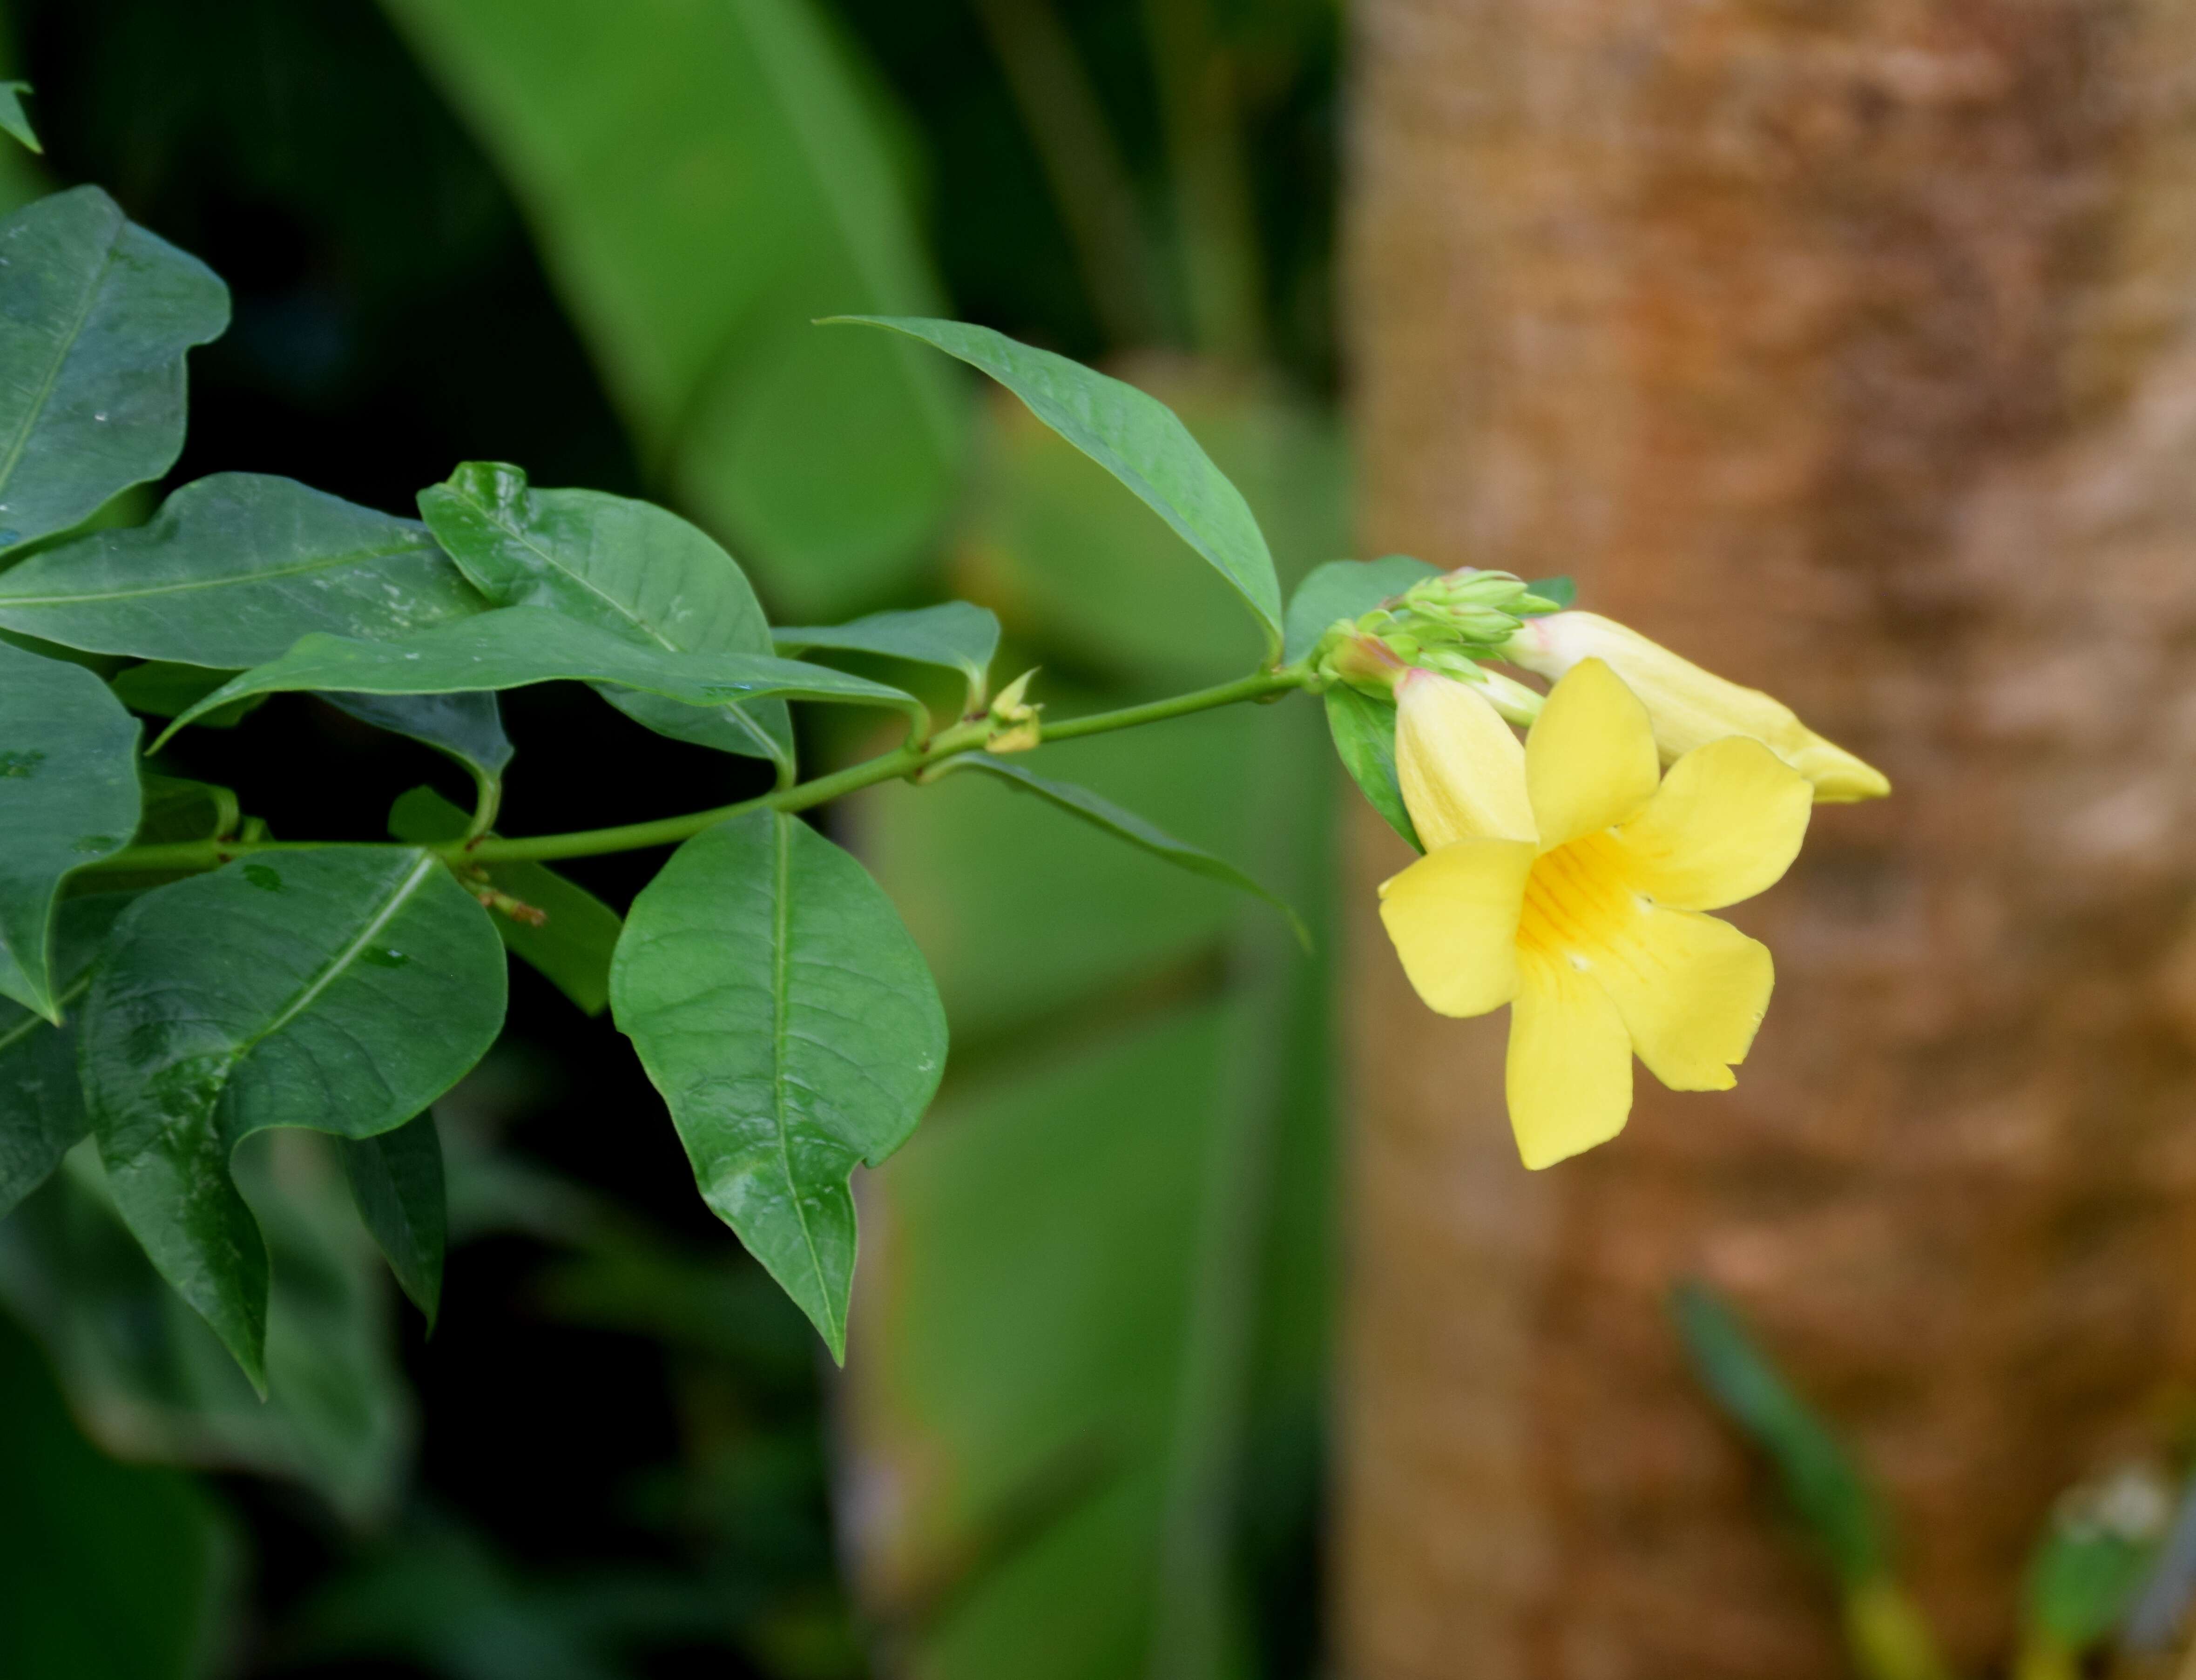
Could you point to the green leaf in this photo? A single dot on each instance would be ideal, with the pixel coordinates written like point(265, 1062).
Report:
point(1345, 589)
point(1364, 730)
point(1093, 580)
point(780, 1007)
point(231, 571)
point(396, 1183)
point(108, 1571)
point(161, 687)
point(704, 180)
point(571, 946)
point(177, 808)
point(515, 646)
point(955, 635)
point(149, 1380)
point(469, 727)
point(95, 316)
point(1825, 1487)
point(341, 989)
point(1563, 591)
point(628, 567)
point(12, 118)
point(68, 797)
point(1105, 815)
point(1136, 438)
point(42, 1114)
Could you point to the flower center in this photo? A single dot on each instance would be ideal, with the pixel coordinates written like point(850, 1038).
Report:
point(1578, 907)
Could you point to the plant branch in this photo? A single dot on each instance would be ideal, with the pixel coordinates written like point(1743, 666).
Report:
point(968, 736)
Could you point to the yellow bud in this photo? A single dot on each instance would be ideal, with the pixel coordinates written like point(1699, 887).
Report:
point(1460, 767)
point(1689, 707)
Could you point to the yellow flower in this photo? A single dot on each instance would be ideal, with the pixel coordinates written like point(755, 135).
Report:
point(1567, 878)
point(1689, 707)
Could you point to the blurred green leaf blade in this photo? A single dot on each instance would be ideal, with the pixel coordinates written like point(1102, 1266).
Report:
point(232, 570)
point(629, 567)
point(572, 947)
point(13, 119)
point(1345, 589)
point(397, 1184)
point(1824, 1485)
point(95, 316)
point(108, 1571)
point(341, 990)
point(68, 797)
point(1102, 814)
point(514, 646)
point(954, 635)
point(705, 180)
point(1133, 435)
point(780, 1007)
point(1364, 731)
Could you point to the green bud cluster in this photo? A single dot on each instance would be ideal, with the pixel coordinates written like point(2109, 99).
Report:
point(1452, 624)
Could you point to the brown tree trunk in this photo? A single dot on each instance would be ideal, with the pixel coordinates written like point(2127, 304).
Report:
point(1847, 347)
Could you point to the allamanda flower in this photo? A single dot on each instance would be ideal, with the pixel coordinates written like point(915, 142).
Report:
point(1567, 878)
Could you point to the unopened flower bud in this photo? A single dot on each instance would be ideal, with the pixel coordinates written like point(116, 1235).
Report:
point(1365, 663)
point(1016, 718)
point(1689, 707)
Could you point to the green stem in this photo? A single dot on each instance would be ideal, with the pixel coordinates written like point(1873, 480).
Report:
point(903, 761)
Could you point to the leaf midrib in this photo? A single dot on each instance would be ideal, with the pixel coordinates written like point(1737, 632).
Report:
point(22, 438)
point(781, 1026)
point(329, 972)
point(756, 732)
point(32, 1021)
point(186, 585)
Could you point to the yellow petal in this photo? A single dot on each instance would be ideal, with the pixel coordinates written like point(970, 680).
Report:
point(1690, 707)
point(1570, 1073)
point(1691, 990)
point(1453, 917)
point(1460, 767)
point(1590, 760)
point(1726, 824)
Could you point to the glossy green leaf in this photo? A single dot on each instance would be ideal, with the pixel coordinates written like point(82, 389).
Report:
point(515, 646)
point(1345, 589)
point(572, 943)
point(231, 571)
point(12, 118)
point(1102, 814)
point(108, 1571)
point(397, 1184)
point(631, 568)
point(41, 1113)
point(340, 989)
point(780, 1007)
point(162, 688)
point(704, 180)
point(469, 727)
point(1136, 438)
point(1087, 575)
point(1364, 731)
point(95, 316)
point(1825, 1486)
point(954, 635)
point(68, 797)
point(148, 1378)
